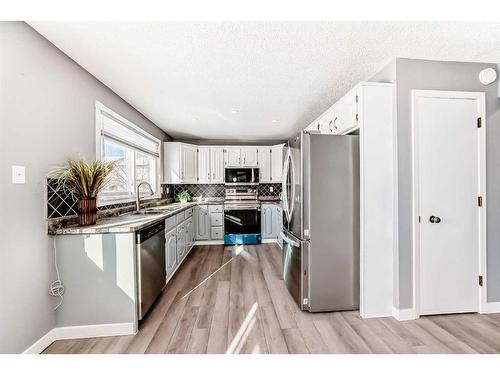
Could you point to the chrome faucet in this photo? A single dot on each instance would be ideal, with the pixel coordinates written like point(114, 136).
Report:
point(138, 198)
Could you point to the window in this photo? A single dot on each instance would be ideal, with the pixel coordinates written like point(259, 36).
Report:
point(136, 153)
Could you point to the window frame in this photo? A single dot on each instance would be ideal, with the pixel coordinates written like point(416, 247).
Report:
point(102, 111)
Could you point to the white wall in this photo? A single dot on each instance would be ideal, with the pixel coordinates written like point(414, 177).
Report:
point(412, 74)
point(47, 113)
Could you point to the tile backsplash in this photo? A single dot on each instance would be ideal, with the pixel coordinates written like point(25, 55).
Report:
point(214, 190)
point(61, 204)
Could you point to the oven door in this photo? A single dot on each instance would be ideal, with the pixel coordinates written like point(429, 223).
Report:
point(242, 225)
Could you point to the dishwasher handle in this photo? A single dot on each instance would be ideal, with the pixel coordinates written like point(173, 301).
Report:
point(146, 233)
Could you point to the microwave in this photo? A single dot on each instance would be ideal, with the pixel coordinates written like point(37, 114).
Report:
point(241, 176)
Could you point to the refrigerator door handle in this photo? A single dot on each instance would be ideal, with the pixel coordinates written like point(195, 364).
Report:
point(288, 169)
point(292, 180)
point(283, 188)
point(289, 240)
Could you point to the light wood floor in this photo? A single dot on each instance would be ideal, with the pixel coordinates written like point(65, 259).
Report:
point(231, 300)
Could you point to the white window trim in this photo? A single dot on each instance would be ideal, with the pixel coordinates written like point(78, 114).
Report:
point(100, 111)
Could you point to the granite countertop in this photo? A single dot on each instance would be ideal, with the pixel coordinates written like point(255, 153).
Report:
point(129, 222)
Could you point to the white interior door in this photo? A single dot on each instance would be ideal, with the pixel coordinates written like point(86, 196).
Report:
point(447, 155)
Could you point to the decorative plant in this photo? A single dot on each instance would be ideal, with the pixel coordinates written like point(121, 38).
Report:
point(84, 180)
point(184, 196)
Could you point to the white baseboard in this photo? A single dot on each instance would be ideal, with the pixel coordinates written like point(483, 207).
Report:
point(98, 330)
point(491, 308)
point(404, 314)
point(80, 332)
point(40, 345)
point(209, 242)
point(270, 240)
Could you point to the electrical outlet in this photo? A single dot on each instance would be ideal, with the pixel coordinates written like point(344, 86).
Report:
point(271, 189)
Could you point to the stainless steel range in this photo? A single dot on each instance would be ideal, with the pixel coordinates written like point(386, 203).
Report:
point(242, 216)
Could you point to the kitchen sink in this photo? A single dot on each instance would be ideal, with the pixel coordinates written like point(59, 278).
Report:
point(149, 211)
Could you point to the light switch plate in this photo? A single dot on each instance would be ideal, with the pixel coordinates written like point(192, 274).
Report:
point(18, 174)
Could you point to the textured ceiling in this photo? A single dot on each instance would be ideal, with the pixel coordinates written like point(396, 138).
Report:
point(173, 72)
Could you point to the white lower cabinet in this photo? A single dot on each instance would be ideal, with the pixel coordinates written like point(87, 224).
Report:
point(202, 223)
point(189, 235)
point(209, 222)
point(216, 221)
point(171, 251)
point(267, 221)
point(217, 233)
point(270, 221)
point(179, 239)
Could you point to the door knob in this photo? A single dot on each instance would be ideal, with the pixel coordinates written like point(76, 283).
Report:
point(435, 219)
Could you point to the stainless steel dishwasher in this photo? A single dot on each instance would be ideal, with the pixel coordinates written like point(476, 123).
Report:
point(151, 272)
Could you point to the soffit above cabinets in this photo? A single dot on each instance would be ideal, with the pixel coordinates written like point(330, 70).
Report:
point(253, 80)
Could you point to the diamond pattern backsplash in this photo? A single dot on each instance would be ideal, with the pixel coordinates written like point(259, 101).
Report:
point(59, 203)
point(214, 190)
point(265, 190)
point(62, 204)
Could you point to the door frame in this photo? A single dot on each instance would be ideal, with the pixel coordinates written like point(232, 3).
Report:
point(481, 189)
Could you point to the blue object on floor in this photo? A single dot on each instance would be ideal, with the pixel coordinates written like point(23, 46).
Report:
point(242, 239)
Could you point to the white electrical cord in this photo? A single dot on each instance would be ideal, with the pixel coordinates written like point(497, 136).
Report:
point(57, 288)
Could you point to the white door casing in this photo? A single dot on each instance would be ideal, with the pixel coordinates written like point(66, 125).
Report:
point(448, 177)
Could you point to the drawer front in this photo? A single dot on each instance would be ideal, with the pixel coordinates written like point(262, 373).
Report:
point(217, 233)
point(169, 223)
point(215, 208)
point(179, 217)
point(216, 219)
point(188, 212)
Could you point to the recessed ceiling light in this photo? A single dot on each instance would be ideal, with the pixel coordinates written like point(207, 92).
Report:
point(274, 121)
point(234, 111)
point(195, 119)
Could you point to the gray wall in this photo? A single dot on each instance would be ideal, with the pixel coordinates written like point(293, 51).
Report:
point(441, 75)
point(47, 113)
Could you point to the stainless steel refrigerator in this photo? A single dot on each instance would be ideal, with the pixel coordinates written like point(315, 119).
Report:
point(321, 221)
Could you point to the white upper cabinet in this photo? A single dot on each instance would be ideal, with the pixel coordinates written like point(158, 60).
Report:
point(217, 164)
point(346, 112)
point(204, 172)
point(249, 156)
point(277, 163)
point(180, 163)
point(342, 117)
point(236, 156)
point(264, 157)
point(232, 156)
point(189, 163)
